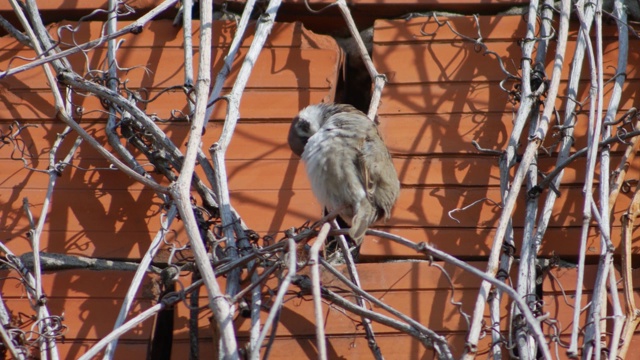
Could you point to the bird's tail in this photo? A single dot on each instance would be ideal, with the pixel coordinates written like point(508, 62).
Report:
point(364, 216)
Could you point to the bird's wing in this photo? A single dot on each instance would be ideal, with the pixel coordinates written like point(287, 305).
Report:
point(364, 166)
point(382, 183)
point(357, 126)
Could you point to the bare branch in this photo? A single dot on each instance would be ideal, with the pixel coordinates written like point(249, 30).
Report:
point(137, 278)
point(438, 342)
point(424, 248)
point(353, 273)
point(180, 191)
point(134, 28)
point(277, 303)
point(317, 299)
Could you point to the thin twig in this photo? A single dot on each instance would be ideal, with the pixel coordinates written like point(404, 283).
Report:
point(277, 303)
point(181, 192)
point(606, 248)
point(527, 159)
point(15, 33)
point(234, 235)
point(592, 332)
point(317, 298)
point(505, 163)
point(439, 342)
point(305, 285)
point(7, 341)
point(187, 6)
point(231, 55)
point(618, 317)
point(424, 248)
point(138, 277)
point(632, 312)
point(353, 274)
point(129, 325)
point(378, 79)
point(134, 28)
point(112, 84)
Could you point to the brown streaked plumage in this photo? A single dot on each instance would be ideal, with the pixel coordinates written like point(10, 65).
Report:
point(347, 163)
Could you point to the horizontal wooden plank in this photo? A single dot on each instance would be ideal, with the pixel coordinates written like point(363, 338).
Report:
point(393, 346)
point(398, 5)
point(89, 319)
point(180, 348)
point(429, 207)
point(431, 308)
point(401, 285)
point(565, 279)
point(267, 140)
point(473, 243)
point(454, 133)
point(292, 208)
point(90, 5)
point(80, 284)
point(256, 105)
point(162, 33)
point(291, 174)
point(441, 316)
point(456, 61)
point(137, 211)
point(127, 349)
point(460, 242)
point(445, 98)
point(407, 276)
point(485, 171)
point(396, 346)
point(123, 245)
point(560, 308)
point(242, 175)
point(492, 28)
point(426, 29)
point(148, 68)
point(563, 341)
point(399, 276)
point(252, 140)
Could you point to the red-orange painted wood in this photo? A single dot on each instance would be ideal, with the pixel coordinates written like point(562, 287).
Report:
point(481, 97)
point(257, 104)
point(127, 349)
point(252, 140)
point(290, 174)
point(162, 33)
point(79, 284)
point(426, 134)
point(416, 207)
point(62, 5)
point(458, 61)
point(492, 28)
point(90, 319)
point(156, 68)
point(474, 242)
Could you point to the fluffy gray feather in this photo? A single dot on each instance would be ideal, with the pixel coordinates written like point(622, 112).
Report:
point(347, 163)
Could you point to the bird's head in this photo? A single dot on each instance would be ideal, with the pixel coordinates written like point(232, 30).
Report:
point(310, 119)
point(305, 124)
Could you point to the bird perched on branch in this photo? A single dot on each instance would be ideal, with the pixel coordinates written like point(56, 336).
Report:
point(349, 166)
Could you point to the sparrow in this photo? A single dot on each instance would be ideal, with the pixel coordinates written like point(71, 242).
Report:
point(347, 162)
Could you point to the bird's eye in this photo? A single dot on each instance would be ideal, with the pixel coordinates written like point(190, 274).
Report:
point(304, 126)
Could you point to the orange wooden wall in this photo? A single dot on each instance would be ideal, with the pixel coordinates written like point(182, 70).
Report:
point(446, 95)
point(102, 213)
point(441, 96)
